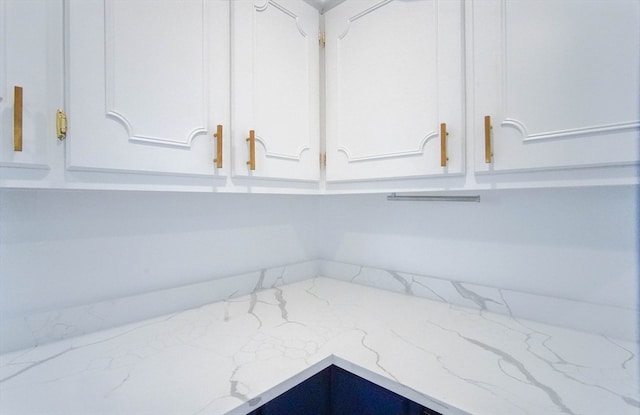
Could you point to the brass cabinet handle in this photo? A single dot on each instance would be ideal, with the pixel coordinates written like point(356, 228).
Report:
point(218, 136)
point(443, 144)
point(17, 118)
point(488, 152)
point(252, 150)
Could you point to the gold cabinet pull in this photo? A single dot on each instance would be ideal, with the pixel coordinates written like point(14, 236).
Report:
point(17, 118)
point(218, 136)
point(488, 152)
point(443, 144)
point(252, 150)
point(61, 125)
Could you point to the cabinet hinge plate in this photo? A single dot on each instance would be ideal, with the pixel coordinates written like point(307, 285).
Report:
point(61, 125)
point(322, 39)
point(323, 159)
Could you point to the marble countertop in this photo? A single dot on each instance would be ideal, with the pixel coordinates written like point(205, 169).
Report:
point(231, 356)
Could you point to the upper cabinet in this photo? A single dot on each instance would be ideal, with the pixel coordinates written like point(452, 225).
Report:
point(220, 95)
point(30, 81)
point(147, 85)
point(394, 89)
point(558, 81)
point(150, 81)
point(275, 90)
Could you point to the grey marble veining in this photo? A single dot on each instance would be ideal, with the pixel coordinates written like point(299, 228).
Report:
point(45, 327)
point(49, 326)
point(234, 355)
point(608, 320)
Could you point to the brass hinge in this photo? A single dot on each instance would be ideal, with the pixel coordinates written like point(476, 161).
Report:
point(61, 125)
point(322, 39)
point(323, 159)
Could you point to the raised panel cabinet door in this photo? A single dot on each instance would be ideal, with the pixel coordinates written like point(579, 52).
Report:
point(275, 89)
point(559, 81)
point(394, 75)
point(31, 59)
point(147, 85)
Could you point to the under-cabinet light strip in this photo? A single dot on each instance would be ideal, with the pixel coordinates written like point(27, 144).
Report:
point(423, 198)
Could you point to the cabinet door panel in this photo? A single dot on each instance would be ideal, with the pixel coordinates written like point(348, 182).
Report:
point(137, 44)
point(560, 81)
point(142, 97)
point(275, 88)
point(29, 42)
point(394, 73)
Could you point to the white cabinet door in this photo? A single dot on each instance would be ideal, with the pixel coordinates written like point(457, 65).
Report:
point(559, 80)
point(31, 59)
point(394, 74)
point(147, 85)
point(275, 89)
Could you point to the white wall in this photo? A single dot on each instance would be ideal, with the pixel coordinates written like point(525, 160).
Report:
point(579, 243)
point(65, 248)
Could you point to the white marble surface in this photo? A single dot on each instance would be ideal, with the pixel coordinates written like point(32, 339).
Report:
point(53, 325)
point(230, 356)
point(606, 319)
point(18, 332)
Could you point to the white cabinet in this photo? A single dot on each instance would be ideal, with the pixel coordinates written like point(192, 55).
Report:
point(149, 81)
point(31, 59)
point(559, 80)
point(147, 84)
point(394, 74)
point(275, 89)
